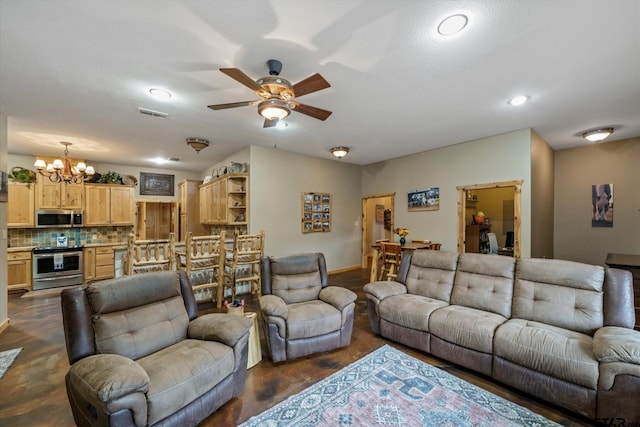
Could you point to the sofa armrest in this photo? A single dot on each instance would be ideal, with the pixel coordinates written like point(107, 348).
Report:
point(384, 289)
point(614, 344)
point(272, 305)
point(225, 328)
point(337, 296)
point(109, 381)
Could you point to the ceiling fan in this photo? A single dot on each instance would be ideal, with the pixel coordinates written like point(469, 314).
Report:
point(277, 95)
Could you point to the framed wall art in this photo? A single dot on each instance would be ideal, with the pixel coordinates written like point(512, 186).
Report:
point(424, 200)
point(602, 205)
point(316, 212)
point(156, 184)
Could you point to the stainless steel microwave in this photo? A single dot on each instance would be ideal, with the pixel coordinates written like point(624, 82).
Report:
point(59, 218)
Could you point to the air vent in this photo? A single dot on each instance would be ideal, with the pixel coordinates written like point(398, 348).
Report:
point(173, 159)
point(152, 113)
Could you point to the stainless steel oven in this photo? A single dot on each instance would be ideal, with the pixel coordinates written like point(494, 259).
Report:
point(55, 267)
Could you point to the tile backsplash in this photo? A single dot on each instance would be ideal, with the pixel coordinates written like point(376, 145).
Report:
point(20, 237)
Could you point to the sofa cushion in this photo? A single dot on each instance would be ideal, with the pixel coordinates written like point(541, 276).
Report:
point(183, 372)
point(312, 319)
point(557, 352)
point(410, 311)
point(431, 274)
point(561, 293)
point(466, 327)
point(296, 278)
point(484, 282)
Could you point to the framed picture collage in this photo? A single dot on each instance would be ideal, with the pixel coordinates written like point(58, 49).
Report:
point(316, 212)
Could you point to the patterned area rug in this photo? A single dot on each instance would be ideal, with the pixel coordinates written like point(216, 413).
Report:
point(7, 358)
point(390, 388)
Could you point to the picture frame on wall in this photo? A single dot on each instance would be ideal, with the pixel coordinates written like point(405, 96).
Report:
point(379, 213)
point(156, 184)
point(427, 199)
point(316, 212)
point(602, 205)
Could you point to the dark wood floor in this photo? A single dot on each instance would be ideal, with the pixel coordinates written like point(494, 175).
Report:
point(32, 392)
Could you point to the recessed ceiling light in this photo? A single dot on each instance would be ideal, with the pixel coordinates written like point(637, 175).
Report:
point(453, 24)
point(518, 100)
point(160, 94)
point(598, 134)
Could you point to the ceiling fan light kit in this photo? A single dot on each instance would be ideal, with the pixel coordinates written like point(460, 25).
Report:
point(197, 144)
point(61, 170)
point(598, 135)
point(339, 152)
point(273, 109)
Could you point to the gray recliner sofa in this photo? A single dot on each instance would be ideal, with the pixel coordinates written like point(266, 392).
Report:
point(141, 356)
point(559, 330)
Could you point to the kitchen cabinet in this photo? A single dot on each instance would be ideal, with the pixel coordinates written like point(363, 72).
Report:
point(58, 195)
point(189, 210)
point(225, 200)
point(19, 271)
point(477, 238)
point(156, 220)
point(21, 205)
point(108, 205)
point(99, 263)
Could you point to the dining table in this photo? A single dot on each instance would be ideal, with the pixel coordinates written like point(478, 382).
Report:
point(377, 251)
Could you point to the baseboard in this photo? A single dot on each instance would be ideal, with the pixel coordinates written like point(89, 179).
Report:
point(4, 325)
point(344, 270)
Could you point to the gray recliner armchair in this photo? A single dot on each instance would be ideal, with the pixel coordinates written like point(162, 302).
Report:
point(141, 356)
point(301, 314)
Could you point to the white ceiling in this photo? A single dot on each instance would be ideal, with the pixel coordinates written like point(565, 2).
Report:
point(78, 70)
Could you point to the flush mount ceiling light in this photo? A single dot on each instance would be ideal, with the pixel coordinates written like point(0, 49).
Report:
point(61, 170)
point(452, 24)
point(598, 134)
point(160, 94)
point(518, 100)
point(197, 144)
point(274, 109)
point(339, 152)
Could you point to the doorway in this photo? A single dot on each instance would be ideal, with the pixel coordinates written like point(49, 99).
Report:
point(377, 222)
point(467, 207)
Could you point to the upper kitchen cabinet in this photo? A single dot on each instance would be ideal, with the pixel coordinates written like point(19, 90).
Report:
point(156, 220)
point(224, 200)
point(20, 205)
point(109, 205)
point(58, 195)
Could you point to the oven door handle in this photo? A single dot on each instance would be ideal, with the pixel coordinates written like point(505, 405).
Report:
point(46, 279)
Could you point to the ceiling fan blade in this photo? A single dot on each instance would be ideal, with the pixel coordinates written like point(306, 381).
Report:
point(241, 77)
point(310, 84)
point(232, 105)
point(315, 112)
point(270, 123)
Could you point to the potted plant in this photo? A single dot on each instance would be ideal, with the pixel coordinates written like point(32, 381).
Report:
point(22, 175)
point(110, 178)
point(235, 306)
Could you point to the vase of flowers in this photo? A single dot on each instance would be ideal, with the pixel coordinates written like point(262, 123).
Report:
point(403, 233)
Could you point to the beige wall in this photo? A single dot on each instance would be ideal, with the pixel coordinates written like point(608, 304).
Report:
point(4, 314)
point(503, 157)
point(542, 190)
point(576, 170)
point(278, 179)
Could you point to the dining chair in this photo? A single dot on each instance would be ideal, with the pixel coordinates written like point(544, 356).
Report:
point(202, 261)
point(391, 253)
point(249, 249)
point(144, 256)
point(435, 246)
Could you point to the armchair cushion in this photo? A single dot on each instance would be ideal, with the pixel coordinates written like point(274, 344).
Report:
point(337, 296)
point(614, 344)
point(272, 305)
point(224, 328)
point(312, 319)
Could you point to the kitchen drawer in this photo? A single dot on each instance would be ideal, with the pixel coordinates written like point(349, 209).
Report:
point(14, 256)
point(104, 271)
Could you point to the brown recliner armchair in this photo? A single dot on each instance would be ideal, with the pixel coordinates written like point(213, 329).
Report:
point(301, 314)
point(140, 356)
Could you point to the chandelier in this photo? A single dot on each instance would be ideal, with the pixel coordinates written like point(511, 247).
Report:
point(62, 171)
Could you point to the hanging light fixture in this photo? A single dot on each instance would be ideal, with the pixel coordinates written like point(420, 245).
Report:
point(598, 134)
point(339, 152)
point(274, 109)
point(197, 144)
point(62, 171)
